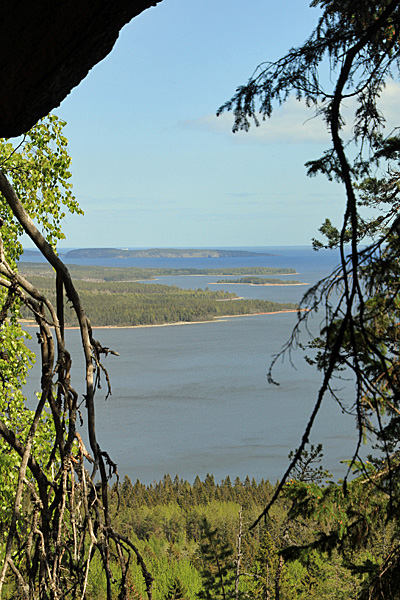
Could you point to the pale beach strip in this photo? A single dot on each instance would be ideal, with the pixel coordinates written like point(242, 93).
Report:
point(221, 318)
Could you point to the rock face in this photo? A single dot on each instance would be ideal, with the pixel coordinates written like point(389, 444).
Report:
point(47, 47)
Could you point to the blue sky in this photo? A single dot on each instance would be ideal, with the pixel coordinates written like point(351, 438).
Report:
point(153, 166)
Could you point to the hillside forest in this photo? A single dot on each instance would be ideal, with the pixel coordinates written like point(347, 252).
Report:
point(112, 299)
point(198, 541)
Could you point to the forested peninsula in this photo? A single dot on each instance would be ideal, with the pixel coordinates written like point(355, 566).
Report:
point(94, 273)
point(132, 303)
point(160, 253)
point(261, 281)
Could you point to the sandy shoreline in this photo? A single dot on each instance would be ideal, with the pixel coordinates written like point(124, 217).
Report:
point(216, 320)
point(257, 284)
point(228, 275)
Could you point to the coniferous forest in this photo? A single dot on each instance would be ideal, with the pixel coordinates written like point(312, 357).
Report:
point(128, 303)
point(198, 540)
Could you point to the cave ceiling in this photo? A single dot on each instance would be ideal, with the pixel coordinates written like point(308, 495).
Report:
point(48, 47)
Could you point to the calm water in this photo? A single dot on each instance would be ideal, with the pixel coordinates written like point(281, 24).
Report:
point(193, 399)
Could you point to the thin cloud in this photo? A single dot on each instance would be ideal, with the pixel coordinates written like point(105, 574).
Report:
point(388, 104)
point(293, 122)
point(242, 195)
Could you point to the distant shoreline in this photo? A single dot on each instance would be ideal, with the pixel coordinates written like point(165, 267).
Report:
point(218, 319)
point(257, 284)
point(174, 253)
point(222, 274)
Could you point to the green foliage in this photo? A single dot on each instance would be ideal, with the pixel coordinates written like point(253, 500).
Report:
point(186, 530)
point(38, 168)
point(332, 235)
point(265, 568)
point(14, 364)
point(306, 469)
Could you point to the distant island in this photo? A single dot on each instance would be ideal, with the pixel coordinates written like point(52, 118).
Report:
point(261, 281)
point(160, 253)
point(28, 252)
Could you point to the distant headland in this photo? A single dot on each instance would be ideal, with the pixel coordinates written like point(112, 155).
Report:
point(160, 253)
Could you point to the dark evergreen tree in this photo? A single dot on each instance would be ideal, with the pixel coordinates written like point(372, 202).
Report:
point(218, 567)
point(266, 568)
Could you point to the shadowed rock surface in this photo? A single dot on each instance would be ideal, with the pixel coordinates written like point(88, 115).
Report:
point(47, 48)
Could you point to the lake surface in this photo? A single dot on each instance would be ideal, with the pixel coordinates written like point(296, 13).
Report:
point(194, 399)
